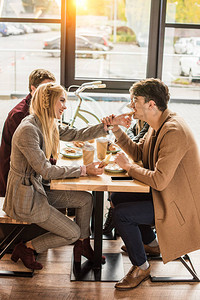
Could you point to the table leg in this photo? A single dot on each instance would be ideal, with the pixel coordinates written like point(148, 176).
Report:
point(98, 225)
point(112, 270)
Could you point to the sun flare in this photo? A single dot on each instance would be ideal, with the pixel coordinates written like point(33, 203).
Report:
point(81, 4)
point(58, 2)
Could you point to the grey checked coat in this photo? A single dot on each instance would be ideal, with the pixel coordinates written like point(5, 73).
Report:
point(25, 196)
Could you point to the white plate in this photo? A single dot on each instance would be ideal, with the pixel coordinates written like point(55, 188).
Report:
point(71, 145)
point(113, 168)
point(77, 154)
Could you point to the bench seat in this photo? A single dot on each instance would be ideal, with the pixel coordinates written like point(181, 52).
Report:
point(9, 240)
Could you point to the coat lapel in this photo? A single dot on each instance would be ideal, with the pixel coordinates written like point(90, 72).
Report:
point(159, 135)
point(152, 142)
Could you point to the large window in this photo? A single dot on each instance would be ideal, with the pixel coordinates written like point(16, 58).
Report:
point(115, 41)
point(181, 59)
point(38, 9)
point(110, 40)
point(29, 33)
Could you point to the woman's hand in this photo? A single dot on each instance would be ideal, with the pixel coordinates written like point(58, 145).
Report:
point(122, 161)
point(92, 170)
point(107, 121)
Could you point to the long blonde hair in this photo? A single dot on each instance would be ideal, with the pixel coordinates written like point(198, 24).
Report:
point(139, 126)
point(43, 106)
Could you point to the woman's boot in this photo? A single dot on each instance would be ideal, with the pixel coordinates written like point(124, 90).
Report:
point(27, 257)
point(84, 248)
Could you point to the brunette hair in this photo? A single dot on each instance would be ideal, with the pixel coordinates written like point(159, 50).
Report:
point(43, 106)
point(152, 89)
point(38, 76)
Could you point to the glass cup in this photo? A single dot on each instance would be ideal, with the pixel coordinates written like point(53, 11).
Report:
point(88, 154)
point(102, 144)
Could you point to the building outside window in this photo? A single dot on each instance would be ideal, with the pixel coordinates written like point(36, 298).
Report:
point(117, 31)
point(116, 41)
point(26, 28)
point(181, 59)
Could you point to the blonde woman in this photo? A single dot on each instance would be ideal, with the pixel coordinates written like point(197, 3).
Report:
point(35, 140)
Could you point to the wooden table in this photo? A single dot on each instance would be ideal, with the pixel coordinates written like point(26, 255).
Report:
point(98, 185)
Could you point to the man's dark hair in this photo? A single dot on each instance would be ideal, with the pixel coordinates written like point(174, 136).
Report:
point(38, 76)
point(152, 89)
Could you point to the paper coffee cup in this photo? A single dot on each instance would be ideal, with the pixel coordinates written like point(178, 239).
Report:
point(88, 154)
point(102, 144)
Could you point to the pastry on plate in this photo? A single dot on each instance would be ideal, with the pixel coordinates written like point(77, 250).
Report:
point(105, 162)
point(111, 147)
point(70, 150)
point(78, 144)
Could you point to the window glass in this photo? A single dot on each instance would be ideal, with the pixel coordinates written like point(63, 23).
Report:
point(25, 47)
point(181, 62)
point(112, 39)
point(179, 11)
point(30, 8)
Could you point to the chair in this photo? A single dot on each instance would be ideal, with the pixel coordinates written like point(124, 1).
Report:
point(17, 228)
point(188, 265)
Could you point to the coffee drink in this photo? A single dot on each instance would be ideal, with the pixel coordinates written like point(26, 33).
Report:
point(102, 144)
point(88, 154)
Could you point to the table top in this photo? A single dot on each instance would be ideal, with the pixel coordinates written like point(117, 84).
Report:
point(99, 183)
point(96, 183)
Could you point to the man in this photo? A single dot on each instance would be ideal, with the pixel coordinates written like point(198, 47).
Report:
point(20, 111)
point(171, 167)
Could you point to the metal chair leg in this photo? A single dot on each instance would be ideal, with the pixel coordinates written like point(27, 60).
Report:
point(8, 242)
point(189, 267)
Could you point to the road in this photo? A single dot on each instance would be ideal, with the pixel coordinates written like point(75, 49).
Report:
point(19, 55)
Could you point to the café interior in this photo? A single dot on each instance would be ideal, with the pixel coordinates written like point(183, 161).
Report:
point(96, 51)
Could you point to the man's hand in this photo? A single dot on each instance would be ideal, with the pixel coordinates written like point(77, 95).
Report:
point(124, 120)
point(91, 169)
point(123, 161)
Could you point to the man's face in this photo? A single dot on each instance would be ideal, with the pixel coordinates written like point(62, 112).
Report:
point(139, 107)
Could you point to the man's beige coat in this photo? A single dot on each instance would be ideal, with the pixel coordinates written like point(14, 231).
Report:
point(172, 170)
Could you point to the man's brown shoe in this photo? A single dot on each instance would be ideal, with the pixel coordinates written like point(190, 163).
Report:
point(133, 278)
point(152, 251)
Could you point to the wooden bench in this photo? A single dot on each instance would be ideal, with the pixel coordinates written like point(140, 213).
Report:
point(9, 240)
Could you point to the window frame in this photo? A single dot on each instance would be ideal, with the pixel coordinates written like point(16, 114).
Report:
point(68, 28)
point(155, 48)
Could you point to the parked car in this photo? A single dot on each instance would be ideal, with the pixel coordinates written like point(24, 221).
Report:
point(26, 28)
point(13, 30)
point(189, 65)
point(98, 39)
point(40, 28)
point(82, 44)
point(193, 45)
point(142, 40)
point(3, 29)
point(85, 45)
point(53, 44)
point(180, 47)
